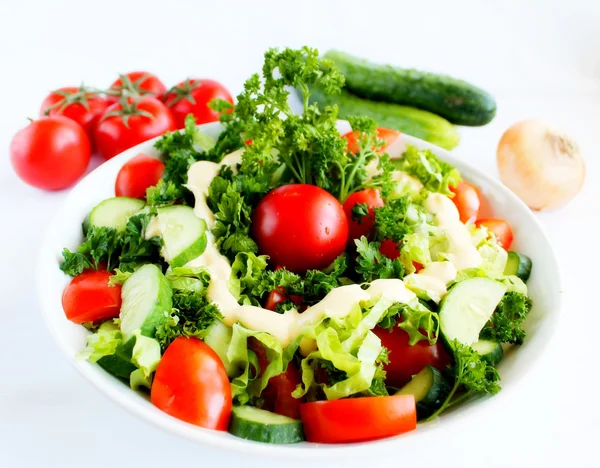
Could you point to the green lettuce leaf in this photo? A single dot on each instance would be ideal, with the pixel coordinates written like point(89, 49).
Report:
point(146, 353)
point(436, 175)
point(103, 342)
point(248, 385)
point(347, 345)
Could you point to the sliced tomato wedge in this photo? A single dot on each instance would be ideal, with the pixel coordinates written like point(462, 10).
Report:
point(358, 419)
point(466, 199)
point(394, 145)
point(277, 296)
point(501, 230)
point(390, 249)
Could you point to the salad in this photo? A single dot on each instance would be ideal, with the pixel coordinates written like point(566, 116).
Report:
point(284, 282)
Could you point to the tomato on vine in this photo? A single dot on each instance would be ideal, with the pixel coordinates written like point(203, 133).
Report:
point(131, 121)
point(135, 84)
point(83, 105)
point(193, 96)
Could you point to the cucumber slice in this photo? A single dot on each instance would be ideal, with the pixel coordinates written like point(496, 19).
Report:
point(113, 213)
point(430, 389)
point(519, 265)
point(259, 425)
point(467, 307)
point(147, 299)
point(489, 350)
point(183, 234)
point(219, 338)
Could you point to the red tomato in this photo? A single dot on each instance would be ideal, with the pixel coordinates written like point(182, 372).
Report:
point(387, 135)
point(191, 384)
point(358, 419)
point(407, 360)
point(467, 201)
point(485, 207)
point(137, 83)
point(89, 298)
point(137, 175)
point(130, 122)
point(390, 249)
point(501, 230)
point(278, 393)
point(192, 97)
point(300, 227)
point(50, 153)
point(79, 104)
point(364, 226)
point(277, 296)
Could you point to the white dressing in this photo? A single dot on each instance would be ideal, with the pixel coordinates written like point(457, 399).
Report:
point(461, 251)
point(406, 181)
point(200, 175)
point(433, 279)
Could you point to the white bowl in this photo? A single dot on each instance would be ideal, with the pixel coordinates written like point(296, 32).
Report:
point(545, 288)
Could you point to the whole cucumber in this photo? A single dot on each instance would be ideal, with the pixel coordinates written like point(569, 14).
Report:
point(456, 100)
point(415, 122)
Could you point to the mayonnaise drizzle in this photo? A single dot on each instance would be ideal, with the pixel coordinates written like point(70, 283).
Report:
point(461, 251)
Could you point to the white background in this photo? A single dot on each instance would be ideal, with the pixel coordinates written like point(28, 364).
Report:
point(539, 58)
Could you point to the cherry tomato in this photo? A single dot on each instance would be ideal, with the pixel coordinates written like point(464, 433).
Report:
point(50, 153)
point(300, 227)
point(501, 230)
point(407, 360)
point(390, 249)
point(135, 84)
point(130, 122)
point(277, 395)
point(363, 226)
point(192, 97)
point(358, 419)
point(137, 175)
point(191, 384)
point(79, 104)
point(387, 135)
point(89, 298)
point(467, 201)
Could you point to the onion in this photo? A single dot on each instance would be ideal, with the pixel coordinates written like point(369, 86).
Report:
point(540, 164)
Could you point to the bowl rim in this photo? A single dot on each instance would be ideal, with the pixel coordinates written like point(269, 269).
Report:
point(105, 383)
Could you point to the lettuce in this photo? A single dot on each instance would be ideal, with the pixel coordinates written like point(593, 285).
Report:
point(249, 384)
point(348, 345)
point(436, 175)
point(146, 353)
point(103, 342)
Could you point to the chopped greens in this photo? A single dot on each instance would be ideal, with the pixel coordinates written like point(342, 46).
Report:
point(108, 248)
point(471, 373)
point(436, 175)
point(506, 323)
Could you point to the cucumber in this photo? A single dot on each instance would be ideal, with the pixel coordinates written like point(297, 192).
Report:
point(182, 232)
point(429, 388)
point(519, 265)
point(119, 363)
point(147, 299)
point(467, 307)
point(219, 338)
point(489, 350)
point(260, 425)
point(456, 100)
point(113, 213)
point(415, 122)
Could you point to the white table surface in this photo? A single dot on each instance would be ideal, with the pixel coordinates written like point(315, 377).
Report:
point(539, 58)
